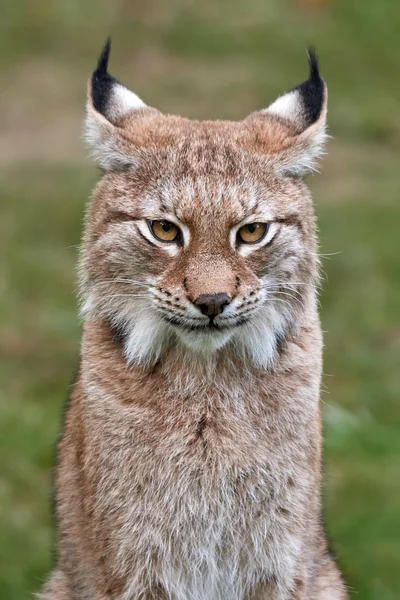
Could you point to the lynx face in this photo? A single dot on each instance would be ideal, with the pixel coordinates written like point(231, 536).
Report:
point(201, 234)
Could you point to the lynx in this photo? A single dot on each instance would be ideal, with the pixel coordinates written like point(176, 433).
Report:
point(189, 462)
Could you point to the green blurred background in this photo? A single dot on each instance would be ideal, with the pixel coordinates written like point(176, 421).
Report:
point(204, 59)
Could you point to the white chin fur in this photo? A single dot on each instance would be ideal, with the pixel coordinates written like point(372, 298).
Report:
point(256, 341)
point(203, 341)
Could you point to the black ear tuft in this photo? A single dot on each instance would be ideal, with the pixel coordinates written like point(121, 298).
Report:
point(312, 91)
point(102, 82)
point(102, 65)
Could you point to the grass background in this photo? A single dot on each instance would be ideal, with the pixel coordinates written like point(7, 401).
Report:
point(204, 59)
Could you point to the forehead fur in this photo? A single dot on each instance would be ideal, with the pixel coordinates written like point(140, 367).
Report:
point(207, 143)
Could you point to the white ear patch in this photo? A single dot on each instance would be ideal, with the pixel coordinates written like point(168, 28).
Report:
point(288, 106)
point(121, 102)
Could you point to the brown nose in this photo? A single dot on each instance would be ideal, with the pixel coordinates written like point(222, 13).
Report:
point(212, 304)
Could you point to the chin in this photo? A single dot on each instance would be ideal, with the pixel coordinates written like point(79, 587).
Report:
point(203, 341)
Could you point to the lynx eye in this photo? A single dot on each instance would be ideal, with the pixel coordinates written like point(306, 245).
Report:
point(252, 232)
point(165, 231)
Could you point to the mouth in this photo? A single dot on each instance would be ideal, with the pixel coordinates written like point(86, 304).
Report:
point(211, 325)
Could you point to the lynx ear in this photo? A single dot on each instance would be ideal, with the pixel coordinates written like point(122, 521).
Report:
point(301, 122)
point(108, 102)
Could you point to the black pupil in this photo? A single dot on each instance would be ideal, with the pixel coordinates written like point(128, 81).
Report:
point(166, 226)
point(251, 228)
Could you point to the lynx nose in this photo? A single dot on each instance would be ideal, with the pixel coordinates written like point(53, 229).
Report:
point(212, 304)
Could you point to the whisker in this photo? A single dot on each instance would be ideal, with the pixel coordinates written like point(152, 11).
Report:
point(118, 280)
point(127, 296)
point(284, 284)
point(279, 292)
point(287, 295)
point(328, 254)
point(295, 295)
point(295, 300)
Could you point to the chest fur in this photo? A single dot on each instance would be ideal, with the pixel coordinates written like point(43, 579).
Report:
point(205, 497)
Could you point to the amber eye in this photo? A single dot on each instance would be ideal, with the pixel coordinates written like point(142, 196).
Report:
point(253, 232)
point(165, 231)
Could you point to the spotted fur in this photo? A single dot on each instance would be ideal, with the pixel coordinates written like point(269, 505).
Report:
point(189, 464)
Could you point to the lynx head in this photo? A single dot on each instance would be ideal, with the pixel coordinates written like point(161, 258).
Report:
point(201, 234)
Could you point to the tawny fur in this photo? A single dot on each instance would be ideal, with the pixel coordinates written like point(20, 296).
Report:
point(189, 463)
